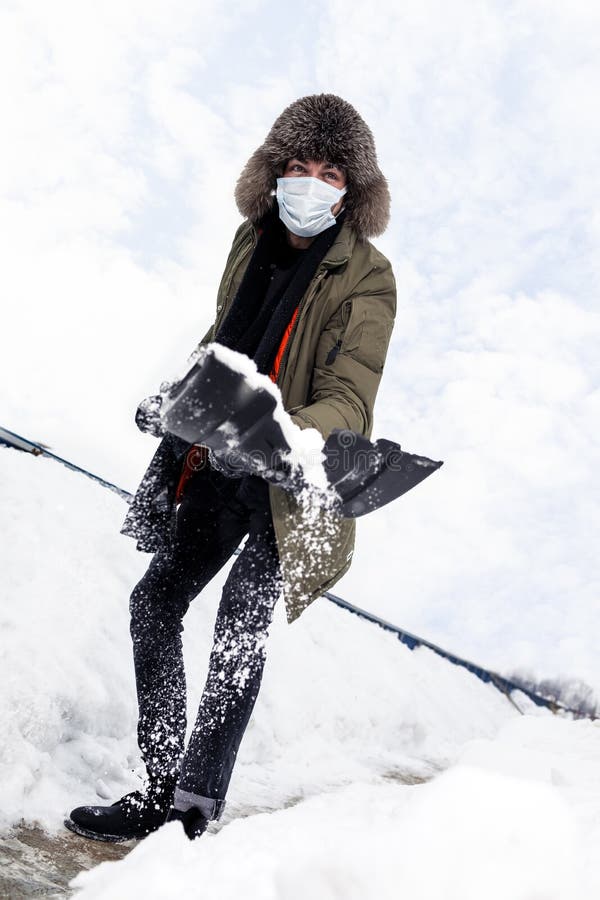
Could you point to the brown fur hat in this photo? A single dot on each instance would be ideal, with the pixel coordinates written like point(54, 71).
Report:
point(321, 127)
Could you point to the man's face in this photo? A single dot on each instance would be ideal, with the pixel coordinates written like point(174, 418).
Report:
point(326, 171)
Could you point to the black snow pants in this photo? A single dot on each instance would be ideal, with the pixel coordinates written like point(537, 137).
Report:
point(208, 530)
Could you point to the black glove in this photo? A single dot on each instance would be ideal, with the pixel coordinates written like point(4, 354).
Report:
point(279, 470)
point(222, 463)
point(147, 416)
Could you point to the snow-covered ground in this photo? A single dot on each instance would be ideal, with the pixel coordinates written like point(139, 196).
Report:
point(342, 700)
point(517, 818)
point(332, 796)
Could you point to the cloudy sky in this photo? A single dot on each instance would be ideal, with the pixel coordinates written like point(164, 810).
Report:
point(125, 125)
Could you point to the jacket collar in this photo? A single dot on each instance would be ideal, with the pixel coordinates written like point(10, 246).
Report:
point(339, 252)
point(341, 249)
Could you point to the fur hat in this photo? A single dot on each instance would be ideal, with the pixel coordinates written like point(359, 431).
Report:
point(321, 127)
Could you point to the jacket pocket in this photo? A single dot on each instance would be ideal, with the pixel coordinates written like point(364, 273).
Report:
point(365, 332)
point(353, 317)
point(350, 334)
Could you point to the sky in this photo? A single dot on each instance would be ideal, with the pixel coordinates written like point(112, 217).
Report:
point(126, 126)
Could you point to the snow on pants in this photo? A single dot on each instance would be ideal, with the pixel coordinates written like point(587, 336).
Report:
point(208, 530)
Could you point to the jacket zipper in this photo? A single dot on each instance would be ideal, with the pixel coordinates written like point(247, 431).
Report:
point(330, 358)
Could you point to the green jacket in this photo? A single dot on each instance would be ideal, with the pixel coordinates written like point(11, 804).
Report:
point(350, 304)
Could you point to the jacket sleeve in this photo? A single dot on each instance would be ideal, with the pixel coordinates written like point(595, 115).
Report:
point(238, 236)
point(208, 336)
point(350, 356)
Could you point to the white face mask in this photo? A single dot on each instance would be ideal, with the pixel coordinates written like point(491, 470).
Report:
point(305, 204)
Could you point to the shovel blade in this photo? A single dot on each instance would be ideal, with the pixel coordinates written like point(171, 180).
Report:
point(367, 476)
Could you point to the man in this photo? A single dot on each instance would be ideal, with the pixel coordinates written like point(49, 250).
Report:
point(312, 302)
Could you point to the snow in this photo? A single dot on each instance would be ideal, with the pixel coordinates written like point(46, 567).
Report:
point(516, 818)
point(318, 802)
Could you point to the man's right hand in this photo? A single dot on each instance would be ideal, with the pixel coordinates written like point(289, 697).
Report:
point(147, 416)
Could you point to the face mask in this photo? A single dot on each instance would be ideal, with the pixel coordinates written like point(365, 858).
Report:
point(305, 204)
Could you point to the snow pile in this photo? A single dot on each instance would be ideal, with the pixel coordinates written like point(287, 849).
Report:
point(517, 818)
point(67, 695)
point(342, 701)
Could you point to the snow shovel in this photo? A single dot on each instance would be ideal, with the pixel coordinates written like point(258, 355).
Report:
point(215, 405)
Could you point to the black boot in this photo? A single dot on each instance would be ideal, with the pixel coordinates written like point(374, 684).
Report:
point(132, 817)
point(194, 823)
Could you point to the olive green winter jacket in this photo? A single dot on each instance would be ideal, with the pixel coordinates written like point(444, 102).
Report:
point(349, 305)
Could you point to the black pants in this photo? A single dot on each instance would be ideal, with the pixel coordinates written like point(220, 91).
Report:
point(209, 528)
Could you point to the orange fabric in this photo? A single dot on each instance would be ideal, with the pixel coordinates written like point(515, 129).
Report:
point(196, 458)
point(275, 369)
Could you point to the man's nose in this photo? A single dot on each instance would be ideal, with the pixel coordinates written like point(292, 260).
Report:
point(311, 169)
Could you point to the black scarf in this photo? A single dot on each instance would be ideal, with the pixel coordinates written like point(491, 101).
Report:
point(261, 310)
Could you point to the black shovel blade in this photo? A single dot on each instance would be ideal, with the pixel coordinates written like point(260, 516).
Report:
point(214, 405)
point(211, 401)
point(257, 448)
point(350, 460)
point(367, 476)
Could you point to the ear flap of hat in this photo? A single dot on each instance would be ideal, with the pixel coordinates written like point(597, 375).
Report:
point(369, 207)
point(253, 191)
point(324, 127)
